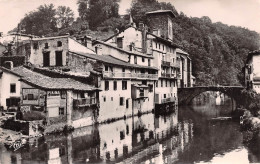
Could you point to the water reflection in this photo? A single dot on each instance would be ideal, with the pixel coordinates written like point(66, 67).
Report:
point(189, 136)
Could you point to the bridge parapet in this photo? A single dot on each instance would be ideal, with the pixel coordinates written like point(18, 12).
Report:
point(185, 95)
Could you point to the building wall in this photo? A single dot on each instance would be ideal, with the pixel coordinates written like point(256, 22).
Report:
point(160, 22)
point(169, 91)
point(130, 35)
point(78, 47)
point(6, 80)
point(107, 50)
point(36, 57)
point(110, 101)
point(256, 65)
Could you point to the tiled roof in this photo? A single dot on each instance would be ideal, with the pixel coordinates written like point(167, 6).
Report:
point(120, 49)
point(111, 60)
point(181, 51)
point(45, 82)
point(55, 37)
point(161, 11)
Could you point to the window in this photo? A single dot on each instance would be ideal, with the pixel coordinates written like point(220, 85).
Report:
point(162, 83)
point(63, 94)
point(124, 85)
point(163, 47)
point(143, 60)
point(120, 42)
point(12, 88)
point(166, 83)
point(122, 135)
point(123, 69)
point(112, 99)
point(170, 84)
point(159, 46)
point(149, 62)
point(122, 99)
point(135, 59)
point(115, 85)
point(59, 44)
point(127, 103)
point(30, 97)
point(46, 45)
point(174, 84)
point(61, 110)
point(106, 68)
point(164, 95)
point(155, 45)
point(156, 84)
point(150, 87)
point(106, 85)
point(105, 99)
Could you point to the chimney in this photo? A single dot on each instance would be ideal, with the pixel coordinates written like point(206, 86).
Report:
point(8, 64)
point(88, 41)
point(141, 25)
point(144, 37)
point(9, 49)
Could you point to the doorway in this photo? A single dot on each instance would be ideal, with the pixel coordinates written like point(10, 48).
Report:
point(46, 59)
point(58, 58)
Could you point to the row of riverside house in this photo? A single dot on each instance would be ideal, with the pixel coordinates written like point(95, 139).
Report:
point(78, 82)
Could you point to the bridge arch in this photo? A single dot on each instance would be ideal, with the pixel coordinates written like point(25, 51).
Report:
point(185, 95)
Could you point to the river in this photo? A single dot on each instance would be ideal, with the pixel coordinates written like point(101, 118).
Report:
point(190, 135)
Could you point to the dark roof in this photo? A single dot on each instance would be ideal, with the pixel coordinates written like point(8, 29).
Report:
point(161, 12)
point(120, 49)
point(48, 83)
point(112, 60)
point(252, 53)
point(256, 78)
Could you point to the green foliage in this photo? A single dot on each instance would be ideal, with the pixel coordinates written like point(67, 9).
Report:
point(218, 51)
point(98, 11)
point(46, 19)
point(140, 7)
point(65, 16)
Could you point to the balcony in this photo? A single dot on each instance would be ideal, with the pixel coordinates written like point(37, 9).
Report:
point(129, 75)
point(166, 63)
point(176, 65)
point(84, 102)
point(167, 75)
point(169, 99)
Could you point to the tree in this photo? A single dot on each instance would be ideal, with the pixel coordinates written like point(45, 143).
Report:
point(65, 16)
point(140, 7)
point(97, 11)
point(40, 22)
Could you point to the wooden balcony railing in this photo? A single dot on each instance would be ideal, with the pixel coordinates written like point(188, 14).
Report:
point(84, 102)
point(166, 63)
point(129, 75)
point(169, 99)
point(166, 75)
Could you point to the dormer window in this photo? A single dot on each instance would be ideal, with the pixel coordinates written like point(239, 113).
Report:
point(46, 45)
point(59, 44)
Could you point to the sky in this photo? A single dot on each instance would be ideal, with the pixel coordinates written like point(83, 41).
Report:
point(244, 13)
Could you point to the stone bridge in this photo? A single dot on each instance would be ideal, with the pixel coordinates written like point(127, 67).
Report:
point(185, 95)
